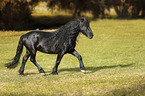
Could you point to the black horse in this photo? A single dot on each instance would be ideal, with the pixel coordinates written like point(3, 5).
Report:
point(59, 42)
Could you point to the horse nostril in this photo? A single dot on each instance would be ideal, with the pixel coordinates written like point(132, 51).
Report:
point(91, 36)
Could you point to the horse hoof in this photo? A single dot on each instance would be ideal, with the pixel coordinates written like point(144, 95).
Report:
point(54, 73)
point(21, 74)
point(42, 73)
point(83, 71)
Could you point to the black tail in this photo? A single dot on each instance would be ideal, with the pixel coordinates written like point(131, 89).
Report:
point(15, 60)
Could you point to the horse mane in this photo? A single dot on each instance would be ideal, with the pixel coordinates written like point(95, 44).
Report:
point(69, 28)
point(70, 25)
point(67, 32)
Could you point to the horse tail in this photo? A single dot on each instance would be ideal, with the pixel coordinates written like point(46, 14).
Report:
point(15, 60)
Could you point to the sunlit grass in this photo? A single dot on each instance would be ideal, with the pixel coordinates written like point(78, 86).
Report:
point(114, 60)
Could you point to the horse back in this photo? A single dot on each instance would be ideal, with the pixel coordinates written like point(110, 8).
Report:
point(36, 38)
point(48, 42)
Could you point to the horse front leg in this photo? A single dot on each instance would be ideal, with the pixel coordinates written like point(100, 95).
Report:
point(76, 54)
point(58, 60)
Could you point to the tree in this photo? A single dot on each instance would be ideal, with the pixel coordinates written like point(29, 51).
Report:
point(129, 8)
point(137, 7)
point(78, 6)
point(121, 7)
point(15, 14)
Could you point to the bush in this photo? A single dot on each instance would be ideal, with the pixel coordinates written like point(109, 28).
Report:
point(15, 15)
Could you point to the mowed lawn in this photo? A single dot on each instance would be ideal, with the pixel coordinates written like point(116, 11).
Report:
point(114, 60)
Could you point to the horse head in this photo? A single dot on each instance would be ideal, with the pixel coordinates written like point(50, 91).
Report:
point(85, 27)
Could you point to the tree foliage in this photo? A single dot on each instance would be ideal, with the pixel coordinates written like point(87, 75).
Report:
point(123, 8)
point(77, 6)
point(129, 8)
point(16, 14)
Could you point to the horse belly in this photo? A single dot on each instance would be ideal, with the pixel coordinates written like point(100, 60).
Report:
point(48, 49)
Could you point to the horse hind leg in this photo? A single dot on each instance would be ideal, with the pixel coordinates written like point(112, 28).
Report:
point(25, 58)
point(33, 60)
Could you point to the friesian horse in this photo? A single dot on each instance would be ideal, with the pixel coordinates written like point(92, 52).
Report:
point(59, 42)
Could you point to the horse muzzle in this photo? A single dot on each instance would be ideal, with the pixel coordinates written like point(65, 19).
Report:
point(90, 35)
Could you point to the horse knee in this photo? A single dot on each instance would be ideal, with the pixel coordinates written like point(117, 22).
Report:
point(79, 57)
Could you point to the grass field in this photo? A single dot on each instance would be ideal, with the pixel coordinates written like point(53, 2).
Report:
point(114, 59)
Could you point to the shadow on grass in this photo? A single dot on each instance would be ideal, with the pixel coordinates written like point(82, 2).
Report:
point(49, 22)
point(94, 69)
point(40, 22)
point(88, 69)
point(32, 73)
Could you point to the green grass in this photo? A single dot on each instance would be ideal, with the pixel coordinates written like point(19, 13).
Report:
point(114, 59)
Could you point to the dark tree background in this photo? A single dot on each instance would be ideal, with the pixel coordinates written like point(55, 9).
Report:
point(78, 6)
point(129, 8)
point(16, 14)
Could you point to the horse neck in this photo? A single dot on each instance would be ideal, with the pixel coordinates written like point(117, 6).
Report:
point(70, 31)
point(74, 34)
